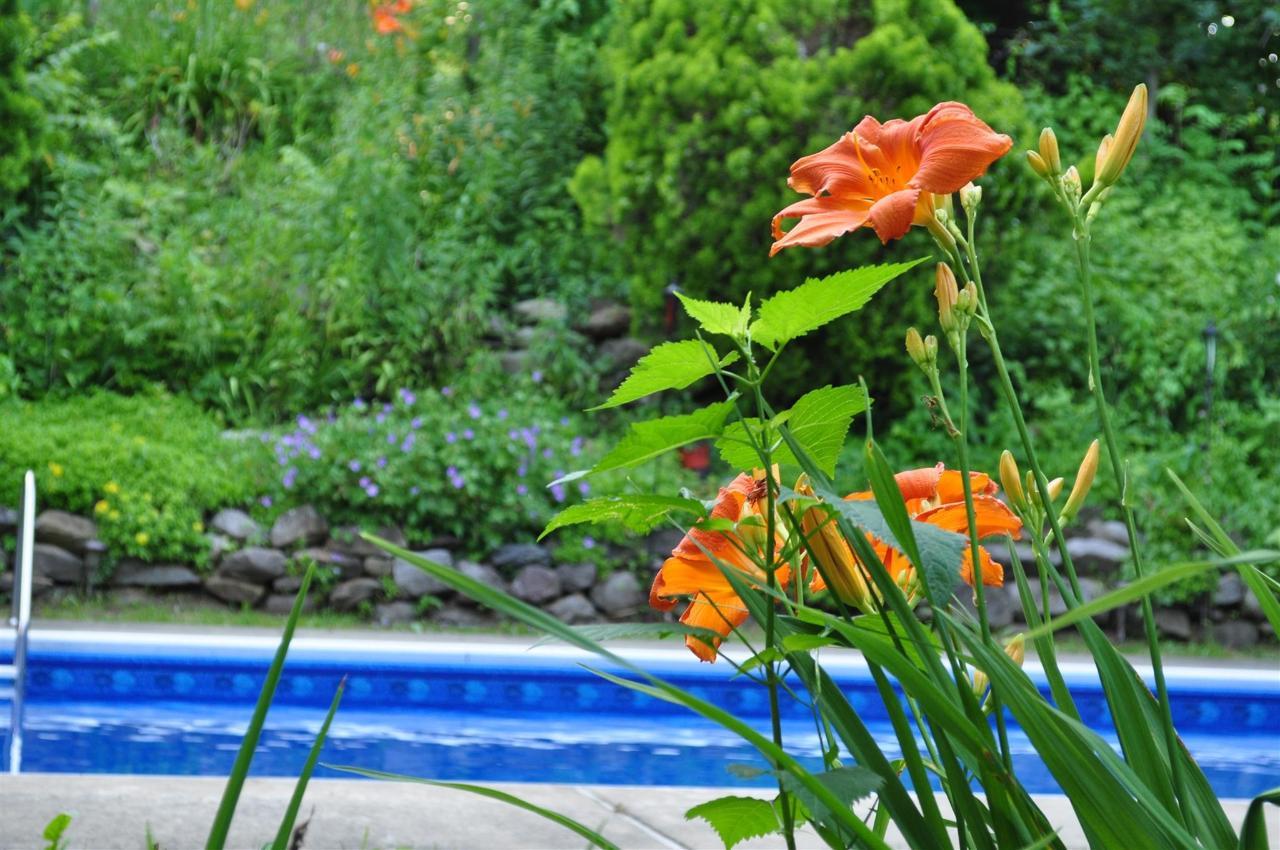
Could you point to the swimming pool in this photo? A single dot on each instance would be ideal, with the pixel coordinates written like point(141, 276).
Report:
point(163, 703)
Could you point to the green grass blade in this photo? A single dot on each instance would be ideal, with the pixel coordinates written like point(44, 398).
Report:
point(1148, 584)
point(240, 769)
point(1253, 832)
point(1253, 577)
point(493, 794)
point(295, 802)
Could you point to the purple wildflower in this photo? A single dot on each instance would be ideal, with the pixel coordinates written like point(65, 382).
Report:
point(502, 413)
point(290, 475)
point(575, 447)
point(371, 490)
point(407, 396)
point(416, 423)
point(414, 490)
point(468, 434)
point(536, 376)
point(306, 424)
point(459, 482)
point(391, 439)
point(588, 543)
point(557, 492)
point(380, 418)
point(447, 392)
point(265, 501)
point(513, 435)
point(547, 453)
point(473, 410)
point(522, 490)
point(407, 444)
point(452, 472)
point(365, 481)
point(584, 488)
point(314, 452)
point(382, 463)
point(522, 470)
point(359, 404)
point(353, 465)
point(451, 437)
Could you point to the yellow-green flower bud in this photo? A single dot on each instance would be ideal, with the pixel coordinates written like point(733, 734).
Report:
point(946, 292)
point(1016, 649)
point(1084, 481)
point(1127, 134)
point(917, 351)
point(1049, 150)
point(1037, 164)
point(1011, 480)
point(970, 197)
point(1071, 184)
point(1100, 158)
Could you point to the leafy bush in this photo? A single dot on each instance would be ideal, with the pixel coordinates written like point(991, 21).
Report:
point(20, 113)
point(706, 113)
point(147, 468)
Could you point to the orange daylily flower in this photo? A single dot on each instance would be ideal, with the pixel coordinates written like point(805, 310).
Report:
point(936, 495)
point(887, 175)
point(385, 20)
point(691, 571)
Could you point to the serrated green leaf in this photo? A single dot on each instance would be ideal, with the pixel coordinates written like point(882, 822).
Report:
point(646, 440)
point(819, 421)
point(637, 512)
point(669, 366)
point(736, 819)
point(817, 301)
point(714, 317)
point(848, 784)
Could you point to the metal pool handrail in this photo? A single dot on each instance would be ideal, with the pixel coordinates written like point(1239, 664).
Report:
point(20, 621)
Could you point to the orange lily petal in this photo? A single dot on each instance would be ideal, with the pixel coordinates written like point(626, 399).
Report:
point(835, 165)
point(891, 216)
point(815, 230)
point(992, 571)
point(955, 147)
point(951, 486)
point(992, 515)
point(716, 613)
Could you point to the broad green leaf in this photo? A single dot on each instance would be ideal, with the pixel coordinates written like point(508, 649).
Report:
point(817, 301)
point(736, 819)
point(1253, 832)
point(638, 513)
point(586, 832)
point(818, 421)
point(669, 366)
point(847, 784)
point(647, 440)
point(717, 318)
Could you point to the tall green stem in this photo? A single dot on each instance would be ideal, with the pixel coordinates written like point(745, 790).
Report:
point(1120, 466)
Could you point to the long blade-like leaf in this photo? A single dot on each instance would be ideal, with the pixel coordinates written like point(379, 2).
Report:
point(494, 794)
point(235, 782)
point(300, 788)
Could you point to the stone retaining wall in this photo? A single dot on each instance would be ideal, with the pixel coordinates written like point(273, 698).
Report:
point(262, 568)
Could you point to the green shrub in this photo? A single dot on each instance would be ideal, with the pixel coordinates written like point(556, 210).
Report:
point(709, 107)
point(146, 468)
point(20, 113)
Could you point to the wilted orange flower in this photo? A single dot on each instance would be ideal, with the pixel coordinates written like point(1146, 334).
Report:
point(691, 572)
point(886, 175)
point(936, 495)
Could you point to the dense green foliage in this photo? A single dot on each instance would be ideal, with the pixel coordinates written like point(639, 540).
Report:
point(146, 468)
point(708, 109)
point(20, 113)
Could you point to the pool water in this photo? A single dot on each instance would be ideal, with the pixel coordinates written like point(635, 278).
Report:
point(166, 704)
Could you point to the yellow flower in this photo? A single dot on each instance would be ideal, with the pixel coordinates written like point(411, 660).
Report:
point(353, 69)
point(142, 538)
point(113, 516)
point(111, 487)
point(56, 469)
point(101, 507)
point(197, 526)
point(244, 5)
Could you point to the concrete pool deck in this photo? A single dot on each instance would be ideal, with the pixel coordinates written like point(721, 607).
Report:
point(110, 812)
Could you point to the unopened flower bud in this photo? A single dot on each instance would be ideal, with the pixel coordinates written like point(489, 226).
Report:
point(1127, 134)
point(967, 300)
point(931, 348)
point(1016, 649)
point(1037, 164)
point(1100, 158)
point(946, 292)
point(917, 351)
point(1071, 184)
point(1055, 489)
point(1049, 150)
point(1011, 480)
point(1084, 480)
point(833, 555)
point(970, 197)
point(942, 216)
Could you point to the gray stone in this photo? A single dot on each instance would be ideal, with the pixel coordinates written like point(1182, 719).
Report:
point(1057, 606)
point(287, 584)
point(282, 603)
point(1091, 589)
point(623, 353)
point(417, 583)
point(39, 583)
point(573, 609)
point(1252, 606)
point(301, 525)
point(536, 585)
point(254, 564)
point(237, 525)
point(394, 613)
point(577, 577)
point(482, 573)
point(65, 530)
point(348, 595)
point(514, 361)
point(1236, 634)
point(460, 616)
point(1230, 591)
point(661, 542)
point(234, 590)
point(1174, 623)
point(378, 567)
point(132, 573)
point(513, 556)
point(533, 311)
point(524, 337)
point(607, 320)
point(219, 545)
point(1096, 555)
point(1002, 604)
point(1028, 556)
point(58, 564)
point(342, 565)
point(619, 595)
point(1111, 530)
point(8, 520)
point(347, 540)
